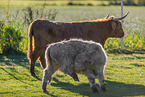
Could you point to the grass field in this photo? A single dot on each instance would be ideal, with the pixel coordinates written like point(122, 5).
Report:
point(124, 76)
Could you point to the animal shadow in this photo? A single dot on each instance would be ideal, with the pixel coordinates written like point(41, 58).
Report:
point(114, 89)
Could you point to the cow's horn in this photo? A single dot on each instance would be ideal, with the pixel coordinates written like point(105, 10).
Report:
point(115, 19)
point(107, 16)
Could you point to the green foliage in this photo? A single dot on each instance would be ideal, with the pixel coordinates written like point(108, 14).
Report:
point(1, 25)
point(1, 28)
point(134, 41)
point(10, 39)
point(78, 4)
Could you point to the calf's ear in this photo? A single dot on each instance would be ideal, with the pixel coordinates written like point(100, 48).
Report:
point(113, 24)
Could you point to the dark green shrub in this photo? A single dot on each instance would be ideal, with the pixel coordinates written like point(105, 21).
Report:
point(89, 4)
point(1, 26)
point(10, 38)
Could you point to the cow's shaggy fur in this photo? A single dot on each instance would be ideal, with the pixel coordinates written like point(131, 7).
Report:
point(76, 56)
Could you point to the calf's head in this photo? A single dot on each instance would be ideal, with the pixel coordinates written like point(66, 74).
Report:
point(116, 25)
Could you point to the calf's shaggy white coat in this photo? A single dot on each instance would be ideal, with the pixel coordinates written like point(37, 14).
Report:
point(76, 56)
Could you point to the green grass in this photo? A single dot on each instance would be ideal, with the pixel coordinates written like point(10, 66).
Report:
point(124, 76)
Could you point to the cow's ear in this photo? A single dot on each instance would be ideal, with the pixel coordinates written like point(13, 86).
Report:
point(113, 24)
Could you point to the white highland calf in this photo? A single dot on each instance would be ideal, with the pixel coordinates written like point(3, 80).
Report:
point(76, 56)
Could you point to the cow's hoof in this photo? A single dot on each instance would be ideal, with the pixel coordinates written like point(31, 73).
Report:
point(33, 73)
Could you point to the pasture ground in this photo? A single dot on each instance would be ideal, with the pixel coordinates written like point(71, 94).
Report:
point(124, 76)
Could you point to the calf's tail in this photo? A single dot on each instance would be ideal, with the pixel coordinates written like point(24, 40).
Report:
point(48, 57)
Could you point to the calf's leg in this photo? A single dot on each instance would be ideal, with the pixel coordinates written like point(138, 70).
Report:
point(68, 71)
point(74, 76)
point(93, 85)
point(47, 75)
point(101, 79)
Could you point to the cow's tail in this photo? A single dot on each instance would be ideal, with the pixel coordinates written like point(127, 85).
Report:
point(30, 35)
point(31, 38)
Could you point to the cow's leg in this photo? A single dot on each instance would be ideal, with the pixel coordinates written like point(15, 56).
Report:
point(47, 75)
point(42, 59)
point(92, 84)
point(101, 78)
point(33, 57)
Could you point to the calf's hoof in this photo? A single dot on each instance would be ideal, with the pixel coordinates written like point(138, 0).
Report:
point(95, 90)
point(75, 77)
point(103, 88)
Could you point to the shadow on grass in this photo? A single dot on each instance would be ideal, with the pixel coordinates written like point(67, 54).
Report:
point(114, 89)
point(16, 78)
point(20, 60)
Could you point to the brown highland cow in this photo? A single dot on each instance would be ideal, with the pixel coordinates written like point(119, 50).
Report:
point(43, 32)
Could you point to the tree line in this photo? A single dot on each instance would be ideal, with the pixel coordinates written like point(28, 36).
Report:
point(127, 2)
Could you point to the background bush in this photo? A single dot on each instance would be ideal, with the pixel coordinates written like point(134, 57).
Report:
point(10, 39)
point(13, 39)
